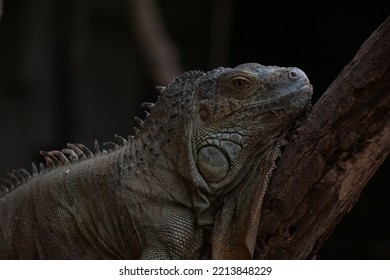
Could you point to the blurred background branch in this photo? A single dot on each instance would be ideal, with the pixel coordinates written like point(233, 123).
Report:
point(1, 8)
point(159, 52)
point(220, 33)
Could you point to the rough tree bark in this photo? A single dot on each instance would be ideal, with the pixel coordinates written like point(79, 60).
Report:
point(330, 157)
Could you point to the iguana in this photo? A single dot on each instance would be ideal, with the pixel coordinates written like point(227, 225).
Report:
point(190, 181)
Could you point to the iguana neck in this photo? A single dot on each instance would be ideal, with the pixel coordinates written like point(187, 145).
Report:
point(150, 163)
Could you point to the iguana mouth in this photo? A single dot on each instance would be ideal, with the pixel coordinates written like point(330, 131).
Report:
point(283, 99)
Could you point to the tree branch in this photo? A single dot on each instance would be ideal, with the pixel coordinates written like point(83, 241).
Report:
point(330, 157)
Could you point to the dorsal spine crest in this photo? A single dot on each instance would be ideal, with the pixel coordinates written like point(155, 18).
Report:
point(55, 158)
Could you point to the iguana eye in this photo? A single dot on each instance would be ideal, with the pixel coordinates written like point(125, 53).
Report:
point(240, 84)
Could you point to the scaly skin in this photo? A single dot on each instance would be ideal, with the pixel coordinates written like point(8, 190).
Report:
point(192, 178)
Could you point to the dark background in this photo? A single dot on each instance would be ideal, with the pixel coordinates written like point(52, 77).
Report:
point(75, 71)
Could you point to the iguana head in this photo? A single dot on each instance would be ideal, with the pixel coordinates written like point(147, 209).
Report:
point(229, 121)
point(240, 114)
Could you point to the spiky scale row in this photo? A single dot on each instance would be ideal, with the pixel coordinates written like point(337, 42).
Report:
point(110, 146)
point(34, 169)
point(139, 121)
point(161, 89)
point(148, 105)
point(15, 178)
point(73, 152)
point(55, 158)
point(122, 141)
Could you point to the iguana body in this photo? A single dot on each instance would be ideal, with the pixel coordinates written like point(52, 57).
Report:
point(193, 177)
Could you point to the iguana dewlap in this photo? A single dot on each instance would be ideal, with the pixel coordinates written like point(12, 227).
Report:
point(192, 178)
